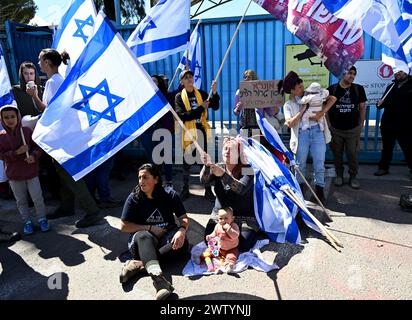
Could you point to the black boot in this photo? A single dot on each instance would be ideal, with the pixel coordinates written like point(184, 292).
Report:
point(319, 192)
point(163, 287)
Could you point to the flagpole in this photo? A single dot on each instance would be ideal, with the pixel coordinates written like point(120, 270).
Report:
point(384, 97)
point(173, 79)
point(230, 46)
point(198, 147)
point(332, 239)
point(313, 192)
point(24, 140)
point(326, 232)
point(187, 61)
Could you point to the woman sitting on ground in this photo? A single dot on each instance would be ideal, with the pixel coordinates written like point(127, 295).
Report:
point(149, 216)
point(233, 188)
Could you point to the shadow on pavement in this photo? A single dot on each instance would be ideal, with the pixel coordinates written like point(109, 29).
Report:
point(56, 245)
point(223, 296)
point(377, 200)
point(19, 281)
point(285, 252)
point(110, 240)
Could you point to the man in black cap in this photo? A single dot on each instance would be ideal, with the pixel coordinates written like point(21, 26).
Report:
point(192, 105)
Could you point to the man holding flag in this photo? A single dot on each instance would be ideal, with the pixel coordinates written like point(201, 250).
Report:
point(192, 107)
point(396, 120)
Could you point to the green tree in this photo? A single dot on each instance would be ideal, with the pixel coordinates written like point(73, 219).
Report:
point(132, 10)
point(21, 11)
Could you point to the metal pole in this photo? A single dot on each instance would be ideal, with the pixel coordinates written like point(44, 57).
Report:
point(118, 12)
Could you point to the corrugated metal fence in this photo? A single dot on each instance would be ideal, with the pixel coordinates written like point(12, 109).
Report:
point(260, 46)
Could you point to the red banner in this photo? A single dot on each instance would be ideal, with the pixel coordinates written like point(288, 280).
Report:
point(337, 44)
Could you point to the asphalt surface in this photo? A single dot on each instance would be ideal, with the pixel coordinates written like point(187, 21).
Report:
point(375, 263)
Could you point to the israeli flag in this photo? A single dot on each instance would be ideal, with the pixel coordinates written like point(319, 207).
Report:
point(274, 211)
point(195, 57)
point(164, 31)
point(388, 21)
point(106, 101)
point(74, 31)
point(6, 93)
point(352, 11)
point(272, 136)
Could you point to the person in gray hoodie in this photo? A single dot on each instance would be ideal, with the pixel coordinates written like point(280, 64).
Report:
point(21, 159)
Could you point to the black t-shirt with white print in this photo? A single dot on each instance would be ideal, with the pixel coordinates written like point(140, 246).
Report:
point(157, 212)
point(345, 113)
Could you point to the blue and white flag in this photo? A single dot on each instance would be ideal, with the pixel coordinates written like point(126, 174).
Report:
point(164, 31)
point(105, 102)
point(272, 136)
point(274, 211)
point(388, 21)
point(352, 11)
point(6, 93)
point(195, 57)
point(74, 31)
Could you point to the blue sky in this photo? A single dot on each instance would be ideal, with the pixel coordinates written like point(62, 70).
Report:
point(51, 10)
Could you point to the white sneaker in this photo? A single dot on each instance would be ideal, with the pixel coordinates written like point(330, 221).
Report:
point(169, 187)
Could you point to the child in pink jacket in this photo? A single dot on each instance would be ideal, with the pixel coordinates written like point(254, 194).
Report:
point(21, 159)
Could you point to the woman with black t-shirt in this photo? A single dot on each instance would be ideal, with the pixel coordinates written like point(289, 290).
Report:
point(149, 216)
point(234, 181)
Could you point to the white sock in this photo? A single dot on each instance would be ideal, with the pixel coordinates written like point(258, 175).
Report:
point(153, 268)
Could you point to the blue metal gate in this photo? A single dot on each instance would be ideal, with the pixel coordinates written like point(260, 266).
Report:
point(260, 45)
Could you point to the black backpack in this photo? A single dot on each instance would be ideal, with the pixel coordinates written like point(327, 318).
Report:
point(406, 202)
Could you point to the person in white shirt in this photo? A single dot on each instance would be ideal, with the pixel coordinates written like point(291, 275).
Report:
point(49, 62)
point(309, 136)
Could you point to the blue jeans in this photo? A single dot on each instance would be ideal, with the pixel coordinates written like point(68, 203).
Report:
point(99, 179)
point(312, 140)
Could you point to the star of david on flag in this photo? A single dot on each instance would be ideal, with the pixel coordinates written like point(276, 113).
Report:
point(80, 25)
point(74, 31)
point(195, 57)
point(164, 31)
point(93, 115)
point(106, 101)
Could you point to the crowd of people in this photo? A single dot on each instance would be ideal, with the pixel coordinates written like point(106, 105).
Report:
point(154, 214)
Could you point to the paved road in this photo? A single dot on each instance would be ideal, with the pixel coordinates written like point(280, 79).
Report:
point(84, 264)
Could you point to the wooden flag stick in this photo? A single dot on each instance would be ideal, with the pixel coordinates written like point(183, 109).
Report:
point(339, 243)
point(322, 228)
point(313, 192)
point(24, 140)
point(198, 147)
point(230, 46)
